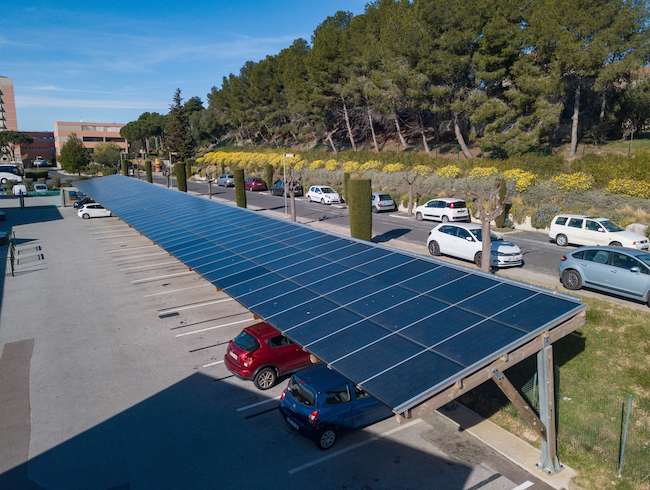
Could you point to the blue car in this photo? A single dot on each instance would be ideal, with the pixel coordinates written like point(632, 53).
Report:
point(320, 403)
point(617, 270)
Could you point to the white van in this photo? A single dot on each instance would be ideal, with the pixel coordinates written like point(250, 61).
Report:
point(577, 229)
point(9, 173)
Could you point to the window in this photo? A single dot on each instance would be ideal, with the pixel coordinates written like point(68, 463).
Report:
point(561, 220)
point(622, 261)
point(246, 342)
point(335, 397)
point(456, 204)
point(301, 392)
point(328, 190)
point(575, 222)
point(432, 204)
point(92, 139)
point(278, 341)
point(449, 230)
point(597, 256)
point(594, 226)
point(609, 226)
point(579, 255)
point(360, 394)
point(463, 233)
point(645, 258)
point(111, 139)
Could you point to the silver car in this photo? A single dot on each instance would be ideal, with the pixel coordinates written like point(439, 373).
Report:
point(617, 270)
point(226, 180)
point(382, 202)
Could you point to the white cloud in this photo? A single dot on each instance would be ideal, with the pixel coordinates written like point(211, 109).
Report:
point(44, 101)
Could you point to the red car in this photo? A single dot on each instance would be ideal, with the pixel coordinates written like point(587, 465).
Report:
point(262, 354)
point(255, 184)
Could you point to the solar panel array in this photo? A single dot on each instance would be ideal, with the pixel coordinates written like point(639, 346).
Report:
point(402, 327)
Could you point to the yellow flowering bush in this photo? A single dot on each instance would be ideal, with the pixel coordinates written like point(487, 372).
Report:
point(371, 165)
point(393, 167)
point(316, 164)
point(421, 169)
point(449, 172)
point(331, 165)
point(576, 181)
point(630, 187)
point(483, 171)
point(351, 166)
point(522, 179)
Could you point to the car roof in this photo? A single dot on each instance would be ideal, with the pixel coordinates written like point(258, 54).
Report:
point(321, 378)
point(467, 226)
point(629, 251)
point(582, 216)
point(446, 199)
point(262, 330)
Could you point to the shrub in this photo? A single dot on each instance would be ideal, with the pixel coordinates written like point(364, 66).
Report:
point(449, 171)
point(483, 171)
point(544, 215)
point(630, 187)
point(522, 179)
point(360, 211)
point(148, 169)
point(576, 181)
point(181, 178)
point(240, 192)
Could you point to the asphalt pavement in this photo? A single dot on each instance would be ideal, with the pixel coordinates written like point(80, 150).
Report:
point(540, 255)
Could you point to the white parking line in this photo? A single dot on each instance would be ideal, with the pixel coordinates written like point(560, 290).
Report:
point(399, 216)
point(151, 266)
point(253, 405)
point(210, 364)
point(524, 485)
point(207, 329)
point(344, 450)
point(194, 305)
point(171, 291)
point(128, 249)
point(112, 237)
point(129, 258)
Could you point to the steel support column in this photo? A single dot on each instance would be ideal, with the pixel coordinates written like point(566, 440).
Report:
point(548, 461)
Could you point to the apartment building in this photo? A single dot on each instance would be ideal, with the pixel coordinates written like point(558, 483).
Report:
point(90, 133)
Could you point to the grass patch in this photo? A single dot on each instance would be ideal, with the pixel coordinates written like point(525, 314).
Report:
point(599, 366)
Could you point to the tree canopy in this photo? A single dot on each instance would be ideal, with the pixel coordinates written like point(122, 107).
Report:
point(73, 155)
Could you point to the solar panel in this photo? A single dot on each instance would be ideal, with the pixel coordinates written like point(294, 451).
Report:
point(401, 326)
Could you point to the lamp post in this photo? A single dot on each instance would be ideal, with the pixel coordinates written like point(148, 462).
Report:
point(291, 189)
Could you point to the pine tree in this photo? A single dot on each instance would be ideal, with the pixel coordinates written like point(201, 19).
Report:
point(178, 137)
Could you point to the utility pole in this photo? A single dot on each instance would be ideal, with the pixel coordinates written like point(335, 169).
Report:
point(292, 191)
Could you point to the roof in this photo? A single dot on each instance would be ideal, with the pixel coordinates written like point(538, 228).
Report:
point(631, 251)
point(581, 216)
point(402, 326)
point(322, 378)
point(446, 199)
point(467, 226)
point(262, 330)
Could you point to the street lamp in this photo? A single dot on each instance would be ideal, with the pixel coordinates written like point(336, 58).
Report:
point(293, 200)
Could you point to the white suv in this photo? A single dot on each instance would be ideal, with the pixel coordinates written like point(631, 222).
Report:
point(586, 230)
point(93, 210)
point(323, 194)
point(443, 209)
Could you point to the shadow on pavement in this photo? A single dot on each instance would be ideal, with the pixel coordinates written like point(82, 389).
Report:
point(188, 436)
point(390, 235)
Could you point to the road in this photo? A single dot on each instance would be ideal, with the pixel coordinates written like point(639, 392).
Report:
point(540, 255)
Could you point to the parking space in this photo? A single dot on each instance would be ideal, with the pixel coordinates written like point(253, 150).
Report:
point(129, 390)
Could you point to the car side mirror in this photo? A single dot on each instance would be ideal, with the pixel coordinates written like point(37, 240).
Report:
point(635, 269)
point(469, 239)
point(601, 230)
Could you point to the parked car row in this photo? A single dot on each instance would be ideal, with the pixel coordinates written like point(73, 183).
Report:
point(317, 402)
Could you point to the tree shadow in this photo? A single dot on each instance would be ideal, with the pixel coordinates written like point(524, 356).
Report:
point(189, 436)
point(390, 235)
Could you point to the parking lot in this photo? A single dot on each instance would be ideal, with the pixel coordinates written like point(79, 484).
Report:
point(116, 380)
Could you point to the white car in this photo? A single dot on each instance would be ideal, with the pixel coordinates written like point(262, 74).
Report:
point(40, 188)
point(585, 230)
point(19, 190)
point(93, 210)
point(9, 173)
point(463, 240)
point(323, 194)
point(443, 209)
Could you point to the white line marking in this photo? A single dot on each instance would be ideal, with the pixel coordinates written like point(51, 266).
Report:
point(129, 258)
point(171, 291)
point(524, 485)
point(210, 364)
point(214, 328)
point(166, 276)
point(128, 249)
point(151, 266)
point(195, 305)
point(253, 405)
point(399, 216)
point(116, 236)
point(334, 454)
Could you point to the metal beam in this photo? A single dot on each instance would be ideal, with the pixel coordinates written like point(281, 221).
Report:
point(506, 361)
point(518, 402)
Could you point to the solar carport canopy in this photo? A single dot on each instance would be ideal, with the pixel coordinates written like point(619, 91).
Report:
point(400, 326)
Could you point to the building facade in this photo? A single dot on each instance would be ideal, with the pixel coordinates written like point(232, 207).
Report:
point(41, 146)
point(8, 118)
point(91, 134)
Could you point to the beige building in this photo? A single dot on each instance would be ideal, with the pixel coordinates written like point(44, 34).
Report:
point(90, 133)
point(8, 119)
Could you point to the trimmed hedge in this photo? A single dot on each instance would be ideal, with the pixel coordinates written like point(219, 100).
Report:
point(181, 179)
point(149, 170)
point(240, 192)
point(359, 191)
point(268, 175)
point(125, 167)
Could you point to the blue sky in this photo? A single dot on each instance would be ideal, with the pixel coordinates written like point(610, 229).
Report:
point(110, 61)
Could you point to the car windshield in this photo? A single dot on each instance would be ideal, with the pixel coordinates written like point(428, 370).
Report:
point(385, 197)
point(645, 258)
point(478, 233)
point(327, 190)
point(301, 392)
point(246, 342)
point(610, 226)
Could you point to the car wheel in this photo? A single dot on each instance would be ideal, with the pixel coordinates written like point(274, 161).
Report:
point(434, 248)
point(375, 210)
point(615, 244)
point(418, 216)
point(3, 181)
point(561, 240)
point(477, 259)
point(265, 378)
point(326, 439)
point(322, 201)
point(571, 279)
point(445, 219)
point(85, 216)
